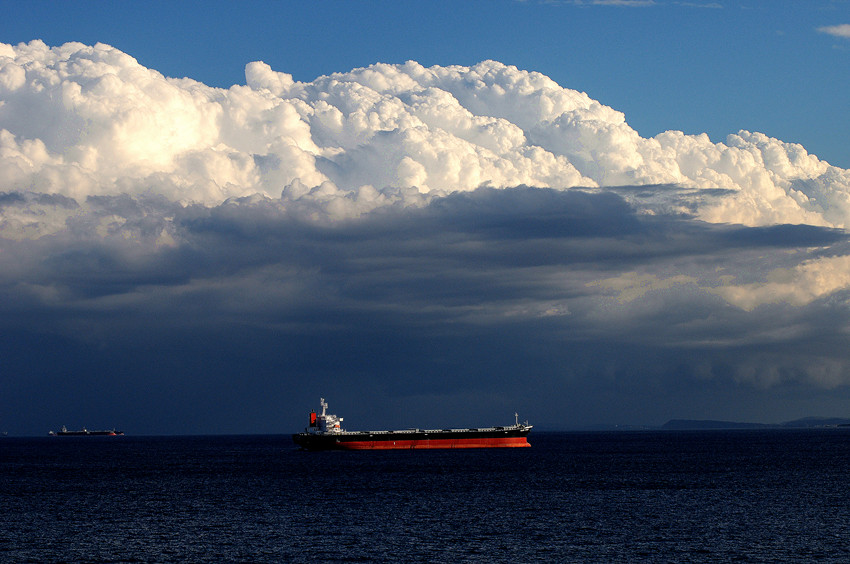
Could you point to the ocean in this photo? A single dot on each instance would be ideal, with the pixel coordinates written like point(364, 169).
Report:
point(638, 496)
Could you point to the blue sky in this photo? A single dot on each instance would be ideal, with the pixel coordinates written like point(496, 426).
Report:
point(590, 212)
point(712, 66)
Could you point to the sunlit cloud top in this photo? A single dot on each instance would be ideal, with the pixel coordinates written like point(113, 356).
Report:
point(79, 121)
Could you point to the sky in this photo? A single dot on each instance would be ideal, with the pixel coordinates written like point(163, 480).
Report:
point(430, 214)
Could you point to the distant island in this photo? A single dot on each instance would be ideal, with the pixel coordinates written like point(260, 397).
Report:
point(708, 424)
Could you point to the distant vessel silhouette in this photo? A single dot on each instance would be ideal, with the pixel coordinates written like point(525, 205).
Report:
point(63, 432)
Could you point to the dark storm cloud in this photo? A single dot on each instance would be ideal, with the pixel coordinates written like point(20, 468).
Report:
point(783, 236)
point(21, 199)
point(493, 294)
point(479, 247)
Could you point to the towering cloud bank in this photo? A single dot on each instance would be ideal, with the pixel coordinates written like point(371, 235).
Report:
point(481, 231)
point(79, 121)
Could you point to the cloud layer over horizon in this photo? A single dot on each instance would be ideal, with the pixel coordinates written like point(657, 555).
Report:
point(389, 226)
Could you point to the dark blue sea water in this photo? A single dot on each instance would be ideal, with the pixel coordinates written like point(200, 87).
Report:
point(713, 496)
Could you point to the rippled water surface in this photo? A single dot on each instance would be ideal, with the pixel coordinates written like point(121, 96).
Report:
point(714, 496)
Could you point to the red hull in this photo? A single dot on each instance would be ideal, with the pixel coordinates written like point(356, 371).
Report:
point(506, 442)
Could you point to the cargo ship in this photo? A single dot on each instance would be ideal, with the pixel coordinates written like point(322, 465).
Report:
point(325, 432)
point(63, 432)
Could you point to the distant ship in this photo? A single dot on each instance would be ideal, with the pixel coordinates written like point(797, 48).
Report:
point(325, 433)
point(84, 433)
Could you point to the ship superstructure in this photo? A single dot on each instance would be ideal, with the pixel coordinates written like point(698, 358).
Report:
point(325, 432)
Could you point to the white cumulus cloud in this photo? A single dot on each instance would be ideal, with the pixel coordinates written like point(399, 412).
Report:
point(78, 120)
point(842, 30)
